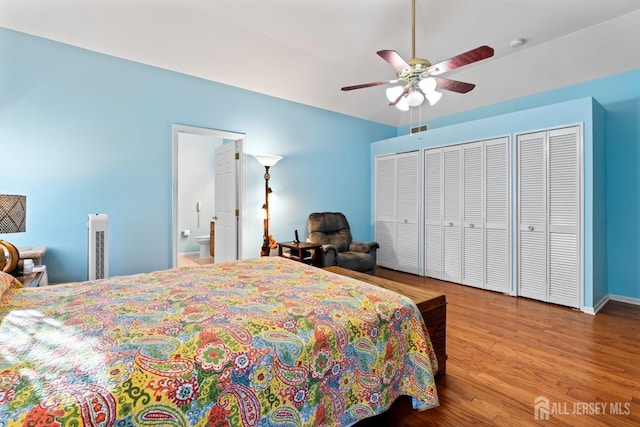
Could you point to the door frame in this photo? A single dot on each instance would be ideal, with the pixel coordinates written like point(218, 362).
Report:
point(176, 130)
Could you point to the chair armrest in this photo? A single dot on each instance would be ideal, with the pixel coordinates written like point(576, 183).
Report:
point(369, 247)
point(329, 255)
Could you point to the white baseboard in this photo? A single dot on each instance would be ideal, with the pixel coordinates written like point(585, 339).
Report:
point(609, 297)
point(628, 300)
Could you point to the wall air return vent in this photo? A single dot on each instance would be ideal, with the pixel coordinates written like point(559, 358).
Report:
point(419, 128)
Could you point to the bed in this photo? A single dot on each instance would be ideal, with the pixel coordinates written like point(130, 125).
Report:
point(261, 342)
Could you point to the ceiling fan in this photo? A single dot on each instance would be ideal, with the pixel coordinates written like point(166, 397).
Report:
point(418, 78)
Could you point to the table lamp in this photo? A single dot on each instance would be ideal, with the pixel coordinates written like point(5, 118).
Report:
point(13, 215)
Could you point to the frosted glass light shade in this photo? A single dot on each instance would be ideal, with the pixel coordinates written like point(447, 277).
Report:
point(267, 160)
point(403, 104)
point(433, 97)
point(415, 98)
point(394, 92)
point(427, 85)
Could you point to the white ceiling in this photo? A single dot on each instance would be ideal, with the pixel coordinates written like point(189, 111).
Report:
point(306, 50)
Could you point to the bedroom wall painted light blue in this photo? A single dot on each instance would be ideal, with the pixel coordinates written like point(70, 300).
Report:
point(82, 132)
point(619, 96)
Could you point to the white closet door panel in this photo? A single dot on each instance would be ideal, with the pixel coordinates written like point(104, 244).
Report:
point(564, 220)
point(563, 270)
point(452, 262)
point(451, 187)
point(407, 247)
point(472, 215)
point(433, 245)
point(532, 265)
point(407, 188)
point(433, 186)
point(385, 188)
point(497, 260)
point(496, 246)
point(472, 184)
point(532, 181)
point(563, 180)
point(433, 213)
point(385, 236)
point(452, 254)
point(497, 183)
point(473, 258)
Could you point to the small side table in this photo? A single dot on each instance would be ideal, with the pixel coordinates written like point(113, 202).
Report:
point(31, 280)
point(308, 253)
point(33, 252)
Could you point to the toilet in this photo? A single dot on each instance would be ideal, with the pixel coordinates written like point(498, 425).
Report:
point(204, 241)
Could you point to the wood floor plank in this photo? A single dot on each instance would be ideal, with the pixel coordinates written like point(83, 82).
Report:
point(504, 352)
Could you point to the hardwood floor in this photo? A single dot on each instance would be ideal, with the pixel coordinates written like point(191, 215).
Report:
point(504, 352)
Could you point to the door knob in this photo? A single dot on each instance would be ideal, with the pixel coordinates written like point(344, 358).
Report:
point(471, 225)
point(530, 228)
point(450, 224)
point(213, 218)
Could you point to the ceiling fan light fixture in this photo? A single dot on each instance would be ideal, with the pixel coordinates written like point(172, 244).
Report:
point(433, 97)
point(415, 98)
point(394, 92)
point(403, 104)
point(427, 85)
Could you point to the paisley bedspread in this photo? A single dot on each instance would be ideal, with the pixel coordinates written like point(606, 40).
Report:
point(262, 342)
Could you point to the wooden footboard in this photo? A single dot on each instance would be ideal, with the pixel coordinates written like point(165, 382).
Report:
point(432, 305)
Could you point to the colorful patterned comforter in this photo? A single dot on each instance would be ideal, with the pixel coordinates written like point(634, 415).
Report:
point(263, 342)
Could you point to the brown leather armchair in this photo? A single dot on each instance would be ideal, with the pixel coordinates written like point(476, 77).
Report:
point(332, 231)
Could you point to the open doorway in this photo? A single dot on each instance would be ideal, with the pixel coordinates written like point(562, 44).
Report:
point(201, 203)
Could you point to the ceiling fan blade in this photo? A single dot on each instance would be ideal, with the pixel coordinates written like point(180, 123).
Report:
point(465, 58)
point(453, 85)
point(396, 61)
point(362, 86)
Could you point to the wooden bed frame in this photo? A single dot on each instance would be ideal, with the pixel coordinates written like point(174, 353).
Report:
point(432, 305)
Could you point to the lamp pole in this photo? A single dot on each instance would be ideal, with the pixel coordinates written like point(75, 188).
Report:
point(265, 242)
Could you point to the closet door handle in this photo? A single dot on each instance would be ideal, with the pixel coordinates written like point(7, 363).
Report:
point(530, 228)
point(450, 224)
point(471, 225)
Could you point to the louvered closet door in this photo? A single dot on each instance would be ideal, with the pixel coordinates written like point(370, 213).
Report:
point(451, 226)
point(564, 219)
point(407, 243)
point(532, 206)
point(386, 210)
point(472, 218)
point(496, 226)
point(433, 212)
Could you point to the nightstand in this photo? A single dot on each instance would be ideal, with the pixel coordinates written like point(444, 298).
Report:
point(31, 280)
point(308, 253)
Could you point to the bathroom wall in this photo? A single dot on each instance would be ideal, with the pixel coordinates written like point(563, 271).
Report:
point(196, 182)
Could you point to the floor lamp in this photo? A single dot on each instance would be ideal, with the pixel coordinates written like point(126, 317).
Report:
point(267, 161)
point(13, 215)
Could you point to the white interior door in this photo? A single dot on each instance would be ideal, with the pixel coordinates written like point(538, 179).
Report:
point(532, 208)
point(472, 213)
point(433, 212)
point(407, 246)
point(226, 203)
point(496, 226)
point(451, 227)
point(386, 211)
point(564, 217)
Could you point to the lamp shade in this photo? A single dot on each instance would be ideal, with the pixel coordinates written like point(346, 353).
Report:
point(267, 160)
point(13, 213)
